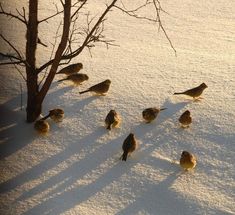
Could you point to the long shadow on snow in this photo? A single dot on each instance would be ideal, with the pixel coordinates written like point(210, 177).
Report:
point(16, 133)
point(62, 199)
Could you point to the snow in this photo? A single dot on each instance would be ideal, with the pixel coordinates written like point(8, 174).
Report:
point(75, 169)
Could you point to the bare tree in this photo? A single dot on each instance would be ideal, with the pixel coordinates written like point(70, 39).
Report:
point(73, 40)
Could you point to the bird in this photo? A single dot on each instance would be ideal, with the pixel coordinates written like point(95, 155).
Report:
point(100, 88)
point(150, 114)
point(56, 115)
point(41, 126)
point(76, 78)
point(71, 69)
point(194, 92)
point(129, 145)
point(112, 119)
point(185, 119)
point(187, 160)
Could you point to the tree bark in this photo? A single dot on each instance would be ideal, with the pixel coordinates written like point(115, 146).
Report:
point(33, 107)
point(35, 96)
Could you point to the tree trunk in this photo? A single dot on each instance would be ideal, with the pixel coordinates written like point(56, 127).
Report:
point(33, 106)
point(36, 96)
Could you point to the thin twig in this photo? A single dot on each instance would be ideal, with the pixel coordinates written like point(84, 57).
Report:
point(78, 9)
point(11, 15)
point(52, 52)
point(23, 15)
point(20, 72)
point(11, 45)
point(161, 26)
point(11, 57)
point(86, 40)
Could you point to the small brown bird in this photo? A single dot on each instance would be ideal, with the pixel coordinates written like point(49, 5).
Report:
point(55, 114)
point(185, 119)
point(41, 126)
point(76, 78)
point(129, 145)
point(112, 119)
point(194, 92)
point(100, 88)
point(150, 114)
point(187, 160)
point(71, 69)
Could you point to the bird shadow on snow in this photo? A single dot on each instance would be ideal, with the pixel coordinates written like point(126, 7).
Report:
point(78, 102)
point(172, 108)
point(62, 198)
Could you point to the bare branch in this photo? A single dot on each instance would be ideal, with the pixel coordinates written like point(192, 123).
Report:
point(160, 24)
point(61, 11)
point(90, 34)
point(53, 15)
point(86, 41)
point(20, 72)
point(19, 59)
point(157, 6)
point(23, 15)
point(52, 52)
point(58, 54)
point(11, 15)
point(131, 13)
point(79, 8)
point(12, 57)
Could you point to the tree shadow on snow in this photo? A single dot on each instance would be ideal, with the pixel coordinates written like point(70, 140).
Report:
point(15, 132)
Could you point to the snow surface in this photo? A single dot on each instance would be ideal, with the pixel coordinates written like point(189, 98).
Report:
point(76, 168)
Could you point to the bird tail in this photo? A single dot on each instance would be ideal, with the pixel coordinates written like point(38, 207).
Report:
point(163, 109)
point(62, 79)
point(45, 117)
point(84, 91)
point(178, 93)
point(124, 156)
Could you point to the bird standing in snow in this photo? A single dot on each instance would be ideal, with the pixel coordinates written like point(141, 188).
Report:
point(112, 119)
point(150, 114)
point(129, 145)
point(71, 69)
point(185, 119)
point(187, 160)
point(41, 126)
point(100, 88)
point(76, 78)
point(55, 114)
point(194, 92)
